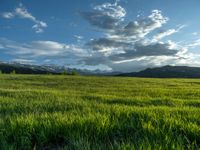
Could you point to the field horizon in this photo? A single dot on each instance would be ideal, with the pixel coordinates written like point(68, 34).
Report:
point(99, 75)
point(88, 112)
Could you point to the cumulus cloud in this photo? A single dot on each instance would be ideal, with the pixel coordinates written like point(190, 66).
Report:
point(131, 32)
point(128, 46)
point(23, 13)
point(105, 16)
point(140, 28)
point(112, 10)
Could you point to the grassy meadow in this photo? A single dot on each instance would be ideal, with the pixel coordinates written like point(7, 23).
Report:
point(75, 112)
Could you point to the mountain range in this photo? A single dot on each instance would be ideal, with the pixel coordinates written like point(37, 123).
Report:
point(46, 69)
point(166, 72)
point(158, 72)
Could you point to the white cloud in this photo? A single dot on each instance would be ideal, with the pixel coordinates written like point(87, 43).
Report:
point(23, 61)
point(39, 26)
point(78, 38)
point(23, 13)
point(112, 10)
point(194, 44)
point(136, 30)
point(7, 15)
point(106, 16)
point(157, 19)
point(37, 29)
point(195, 33)
point(127, 46)
point(166, 33)
point(155, 61)
point(41, 48)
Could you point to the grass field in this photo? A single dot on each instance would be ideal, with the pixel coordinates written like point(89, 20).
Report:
point(75, 112)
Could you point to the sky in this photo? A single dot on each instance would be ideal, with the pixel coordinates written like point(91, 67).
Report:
point(110, 35)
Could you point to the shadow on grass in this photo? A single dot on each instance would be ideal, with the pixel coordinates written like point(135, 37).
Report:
point(8, 111)
point(192, 104)
point(139, 103)
point(142, 103)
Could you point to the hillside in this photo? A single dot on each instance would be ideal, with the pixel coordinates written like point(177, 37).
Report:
point(167, 72)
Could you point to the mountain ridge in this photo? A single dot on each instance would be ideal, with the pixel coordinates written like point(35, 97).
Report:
point(46, 69)
point(157, 72)
point(166, 72)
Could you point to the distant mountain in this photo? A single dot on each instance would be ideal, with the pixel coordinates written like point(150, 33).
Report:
point(46, 69)
point(24, 69)
point(167, 72)
point(160, 72)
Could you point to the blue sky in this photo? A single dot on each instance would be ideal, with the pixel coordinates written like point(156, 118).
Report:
point(122, 35)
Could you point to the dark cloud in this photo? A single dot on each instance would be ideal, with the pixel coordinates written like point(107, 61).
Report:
point(126, 51)
point(140, 50)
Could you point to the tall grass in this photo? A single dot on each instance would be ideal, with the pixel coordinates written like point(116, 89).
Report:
point(75, 112)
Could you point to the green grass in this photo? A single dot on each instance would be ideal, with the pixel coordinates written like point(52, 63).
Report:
point(75, 112)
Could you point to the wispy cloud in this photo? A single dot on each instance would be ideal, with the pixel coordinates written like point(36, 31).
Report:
point(166, 33)
point(43, 50)
point(23, 61)
point(194, 44)
point(7, 15)
point(23, 13)
point(78, 38)
point(195, 33)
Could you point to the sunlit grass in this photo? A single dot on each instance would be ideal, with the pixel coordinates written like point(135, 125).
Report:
point(75, 112)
